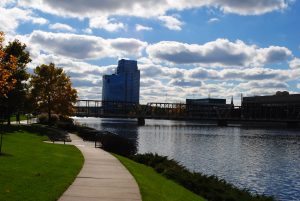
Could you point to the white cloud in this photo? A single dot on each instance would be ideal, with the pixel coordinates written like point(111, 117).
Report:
point(213, 20)
point(86, 78)
point(61, 27)
point(128, 46)
point(185, 83)
point(87, 31)
point(298, 86)
point(38, 20)
point(271, 84)
point(295, 63)
point(250, 7)
point(263, 87)
point(12, 17)
point(139, 27)
point(171, 22)
point(150, 8)
point(83, 46)
point(106, 23)
point(4, 3)
point(218, 53)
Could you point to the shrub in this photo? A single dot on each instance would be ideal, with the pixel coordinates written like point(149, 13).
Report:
point(66, 119)
point(109, 141)
point(66, 123)
point(43, 119)
point(117, 144)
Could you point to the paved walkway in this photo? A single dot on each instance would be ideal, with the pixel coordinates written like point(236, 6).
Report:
point(102, 177)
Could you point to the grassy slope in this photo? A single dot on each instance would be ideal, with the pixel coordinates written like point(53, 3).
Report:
point(33, 170)
point(155, 187)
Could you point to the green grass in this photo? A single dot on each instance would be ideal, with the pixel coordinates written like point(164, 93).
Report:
point(22, 117)
point(31, 169)
point(155, 187)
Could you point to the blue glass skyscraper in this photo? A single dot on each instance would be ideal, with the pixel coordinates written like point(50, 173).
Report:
point(124, 85)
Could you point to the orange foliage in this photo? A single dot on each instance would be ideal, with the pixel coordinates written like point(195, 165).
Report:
point(7, 69)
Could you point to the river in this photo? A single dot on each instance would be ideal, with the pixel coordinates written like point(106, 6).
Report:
point(265, 161)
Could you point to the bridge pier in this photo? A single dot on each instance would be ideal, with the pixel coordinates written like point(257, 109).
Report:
point(222, 122)
point(141, 121)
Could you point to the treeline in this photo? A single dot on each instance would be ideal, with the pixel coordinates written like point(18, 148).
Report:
point(48, 90)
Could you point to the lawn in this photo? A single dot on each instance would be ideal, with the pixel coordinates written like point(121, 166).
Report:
point(22, 117)
point(155, 187)
point(31, 169)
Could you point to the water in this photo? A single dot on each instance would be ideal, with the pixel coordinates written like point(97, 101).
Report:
point(262, 160)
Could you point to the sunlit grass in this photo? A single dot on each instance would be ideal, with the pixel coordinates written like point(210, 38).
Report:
point(31, 169)
point(155, 187)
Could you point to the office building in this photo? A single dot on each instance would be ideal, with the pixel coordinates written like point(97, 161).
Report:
point(206, 107)
point(124, 85)
point(282, 105)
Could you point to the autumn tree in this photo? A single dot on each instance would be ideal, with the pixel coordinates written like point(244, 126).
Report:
point(7, 69)
point(16, 98)
point(52, 91)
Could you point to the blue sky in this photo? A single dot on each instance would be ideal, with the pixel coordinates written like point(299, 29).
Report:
point(184, 48)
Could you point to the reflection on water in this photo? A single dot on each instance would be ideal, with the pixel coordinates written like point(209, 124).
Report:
point(262, 160)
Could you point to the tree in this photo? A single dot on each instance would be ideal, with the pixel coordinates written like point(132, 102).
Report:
point(16, 98)
point(52, 91)
point(7, 69)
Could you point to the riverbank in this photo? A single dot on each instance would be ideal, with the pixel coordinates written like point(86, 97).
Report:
point(263, 160)
point(209, 187)
point(31, 169)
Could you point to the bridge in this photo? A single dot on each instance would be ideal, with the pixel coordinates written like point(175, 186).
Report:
point(221, 114)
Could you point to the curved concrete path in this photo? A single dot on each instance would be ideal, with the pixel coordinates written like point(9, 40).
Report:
point(102, 177)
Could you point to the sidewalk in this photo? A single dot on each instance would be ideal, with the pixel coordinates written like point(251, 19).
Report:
point(102, 177)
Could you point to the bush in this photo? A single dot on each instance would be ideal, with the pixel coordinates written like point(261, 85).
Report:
point(109, 141)
point(117, 144)
point(210, 187)
point(66, 119)
point(43, 119)
point(66, 123)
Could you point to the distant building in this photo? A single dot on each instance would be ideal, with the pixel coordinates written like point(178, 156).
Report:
point(205, 101)
point(206, 107)
point(124, 85)
point(282, 105)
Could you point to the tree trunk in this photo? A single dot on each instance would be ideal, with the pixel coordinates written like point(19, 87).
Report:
point(18, 117)
point(1, 141)
point(49, 111)
point(49, 115)
point(8, 119)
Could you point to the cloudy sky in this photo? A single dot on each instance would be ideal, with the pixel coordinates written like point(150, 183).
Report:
point(184, 48)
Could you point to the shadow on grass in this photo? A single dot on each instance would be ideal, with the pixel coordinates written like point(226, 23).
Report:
point(6, 155)
point(52, 133)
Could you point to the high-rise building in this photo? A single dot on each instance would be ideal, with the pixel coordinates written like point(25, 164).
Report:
point(124, 85)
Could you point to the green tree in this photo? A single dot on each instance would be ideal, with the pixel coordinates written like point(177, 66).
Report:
point(16, 98)
point(52, 91)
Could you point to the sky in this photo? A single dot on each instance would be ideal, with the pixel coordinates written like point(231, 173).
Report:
point(184, 48)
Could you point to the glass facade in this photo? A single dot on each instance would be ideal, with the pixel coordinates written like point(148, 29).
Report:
point(124, 85)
